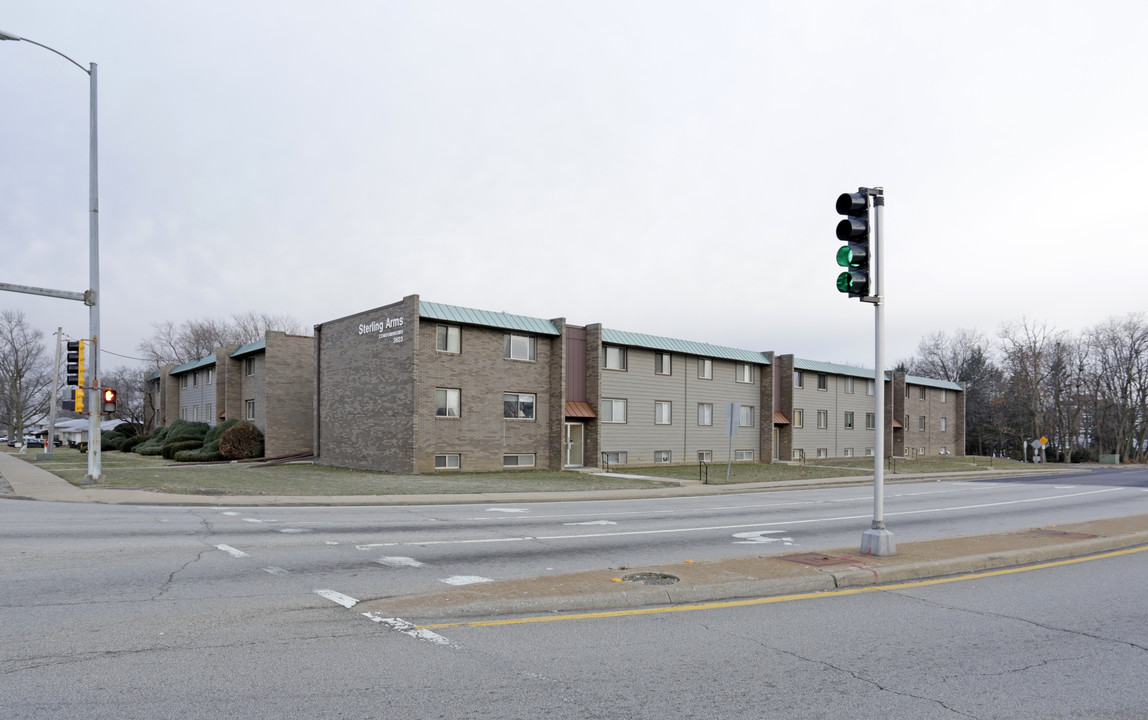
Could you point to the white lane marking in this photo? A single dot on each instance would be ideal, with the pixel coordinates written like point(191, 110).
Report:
point(399, 562)
point(507, 510)
point(252, 520)
point(758, 537)
point(338, 597)
point(408, 628)
point(736, 527)
point(465, 580)
point(275, 570)
point(294, 530)
point(594, 522)
point(232, 551)
point(1063, 487)
point(231, 512)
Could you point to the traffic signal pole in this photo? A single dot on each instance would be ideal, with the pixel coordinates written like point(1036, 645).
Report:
point(877, 540)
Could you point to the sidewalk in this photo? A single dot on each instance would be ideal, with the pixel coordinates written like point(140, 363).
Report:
point(688, 582)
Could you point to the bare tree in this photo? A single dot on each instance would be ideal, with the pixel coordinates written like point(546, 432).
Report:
point(1118, 370)
point(172, 343)
point(128, 382)
point(25, 373)
point(1029, 351)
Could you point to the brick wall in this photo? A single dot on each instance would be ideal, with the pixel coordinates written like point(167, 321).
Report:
point(289, 394)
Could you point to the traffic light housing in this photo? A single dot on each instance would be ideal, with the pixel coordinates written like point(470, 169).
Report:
point(107, 401)
point(854, 257)
point(76, 363)
point(76, 404)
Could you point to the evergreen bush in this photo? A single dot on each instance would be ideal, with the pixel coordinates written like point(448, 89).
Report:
point(241, 441)
point(171, 448)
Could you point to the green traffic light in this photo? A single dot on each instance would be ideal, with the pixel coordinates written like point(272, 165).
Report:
point(844, 282)
point(853, 281)
point(844, 257)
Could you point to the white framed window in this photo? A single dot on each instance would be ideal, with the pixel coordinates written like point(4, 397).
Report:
point(705, 455)
point(195, 413)
point(743, 372)
point(195, 379)
point(798, 418)
point(848, 452)
point(614, 358)
point(447, 402)
point(518, 405)
point(211, 376)
point(944, 423)
point(705, 368)
point(870, 421)
point(907, 426)
point(615, 458)
point(822, 452)
point(907, 391)
point(848, 420)
point(798, 378)
point(743, 454)
point(521, 460)
point(662, 456)
point(183, 413)
point(447, 461)
point(520, 347)
point(822, 419)
point(448, 339)
point(613, 411)
point(249, 365)
point(848, 385)
point(705, 413)
point(662, 413)
point(208, 412)
point(249, 409)
point(921, 423)
point(921, 393)
point(746, 419)
point(183, 382)
point(662, 364)
point(798, 453)
point(868, 452)
point(822, 381)
point(944, 395)
point(944, 450)
point(870, 387)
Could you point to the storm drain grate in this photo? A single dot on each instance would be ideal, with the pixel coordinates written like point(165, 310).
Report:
point(816, 559)
point(1061, 534)
point(652, 578)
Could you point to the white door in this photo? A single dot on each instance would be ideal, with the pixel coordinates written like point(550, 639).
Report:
point(574, 449)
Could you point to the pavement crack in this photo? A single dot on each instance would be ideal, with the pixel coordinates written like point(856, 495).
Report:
point(206, 530)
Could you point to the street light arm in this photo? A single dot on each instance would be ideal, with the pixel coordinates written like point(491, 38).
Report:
point(10, 36)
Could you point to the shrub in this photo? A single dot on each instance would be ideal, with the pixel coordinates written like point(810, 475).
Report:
point(210, 450)
point(1081, 455)
point(241, 441)
point(110, 440)
point(171, 448)
point(129, 444)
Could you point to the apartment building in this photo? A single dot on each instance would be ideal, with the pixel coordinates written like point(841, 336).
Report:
point(269, 382)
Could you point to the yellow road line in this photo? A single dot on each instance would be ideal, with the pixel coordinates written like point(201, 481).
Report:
point(781, 598)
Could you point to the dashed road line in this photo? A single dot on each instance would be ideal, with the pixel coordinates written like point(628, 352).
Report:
point(409, 628)
point(465, 580)
point(232, 551)
point(337, 597)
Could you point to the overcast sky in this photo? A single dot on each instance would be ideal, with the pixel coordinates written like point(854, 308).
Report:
point(660, 167)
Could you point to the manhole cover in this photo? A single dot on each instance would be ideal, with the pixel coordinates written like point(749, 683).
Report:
point(815, 559)
point(1062, 534)
point(652, 578)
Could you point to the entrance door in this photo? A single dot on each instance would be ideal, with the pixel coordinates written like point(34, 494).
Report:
point(574, 444)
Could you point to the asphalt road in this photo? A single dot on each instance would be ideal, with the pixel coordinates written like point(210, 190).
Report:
point(124, 611)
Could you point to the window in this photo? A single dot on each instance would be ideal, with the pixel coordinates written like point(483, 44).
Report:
point(615, 458)
point(868, 452)
point(705, 414)
point(249, 365)
point(848, 452)
point(921, 423)
point(520, 347)
point(907, 395)
point(822, 452)
point(662, 364)
point(447, 462)
point(921, 393)
point(705, 368)
point(798, 418)
point(944, 396)
point(183, 413)
point(518, 405)
point(705, 456)
point(870, 421)
point(944, 423)
point(183, 382)
point(849, 385)
point(448, 339)
point(195, 413)
point(518, 460)
point(798, 379)
point(447, 402)
point(661, 413)
point(798, 454)
point(662, 456)
point(743, 454)
point(848, 420)
point(614, 358)
point(822, 419)
point(743, 373)
point(211, 376)
point(822, 381)
point(870, 387)
point(195, 379)
point(249, 409)
point(906, 422)
point(207, 412)
point(746, 419)
point(944, 450)
point(613, 411)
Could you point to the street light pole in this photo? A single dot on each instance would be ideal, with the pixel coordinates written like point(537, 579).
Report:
point(91, 298)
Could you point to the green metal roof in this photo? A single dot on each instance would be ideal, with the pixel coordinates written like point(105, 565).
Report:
point(250, 348)
point(686, 347)
point(932, 382)
point(867, 373)
point(469, 316)
point(194, 364)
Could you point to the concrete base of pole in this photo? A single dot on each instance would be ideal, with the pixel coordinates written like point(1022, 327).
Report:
point(879, 542)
